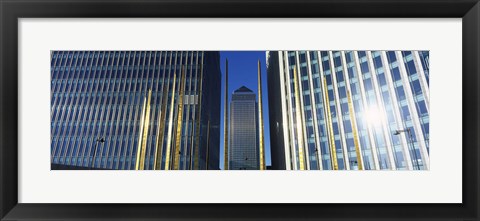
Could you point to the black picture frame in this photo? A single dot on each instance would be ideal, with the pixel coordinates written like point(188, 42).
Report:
point(12, 10)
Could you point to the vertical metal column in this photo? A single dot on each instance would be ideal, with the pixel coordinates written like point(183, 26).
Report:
point(170, 122)
point(142, 136)
point(157, 165)
point(354, 131)
point(328, 118)
point(260, 120)
point(145, 131)
point(298, 121)
point(225, 119)
point(284, 97)
point(178, 137)
point(318, 150)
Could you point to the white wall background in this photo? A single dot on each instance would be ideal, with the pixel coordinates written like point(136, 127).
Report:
point(442, 184)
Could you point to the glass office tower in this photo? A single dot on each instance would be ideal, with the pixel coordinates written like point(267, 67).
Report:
point(244, 141)
point(143, 110)
point(349, 110)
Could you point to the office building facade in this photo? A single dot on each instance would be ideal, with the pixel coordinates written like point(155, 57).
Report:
point(349, 110)
point(135, 110)
point(244, 140)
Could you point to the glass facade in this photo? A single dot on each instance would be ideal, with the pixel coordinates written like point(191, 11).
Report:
point(244, 140)
point(128, 110)
point(359, 110)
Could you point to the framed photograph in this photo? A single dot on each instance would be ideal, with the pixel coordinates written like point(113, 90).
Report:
point(161, 110)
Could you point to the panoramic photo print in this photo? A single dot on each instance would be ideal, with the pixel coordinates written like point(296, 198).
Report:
point(240, 110)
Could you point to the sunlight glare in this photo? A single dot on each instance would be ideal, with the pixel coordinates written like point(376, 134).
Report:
point(374, 116)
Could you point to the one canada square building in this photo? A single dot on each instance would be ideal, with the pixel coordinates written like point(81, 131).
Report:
point(349, 110)
point(244, 151)
point(143, 110)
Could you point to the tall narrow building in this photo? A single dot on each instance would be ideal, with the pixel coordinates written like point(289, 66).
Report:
point(144, 110)
point(244, 140)
point(349, 110)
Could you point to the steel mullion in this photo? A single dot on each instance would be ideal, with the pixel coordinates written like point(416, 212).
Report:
point(126, 96)
point(75, 113)
point(67, 109)
point(90, 109)
point(110, 108)
point(100, 104)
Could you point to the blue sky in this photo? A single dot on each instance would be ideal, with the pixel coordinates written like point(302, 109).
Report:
point(242, 71)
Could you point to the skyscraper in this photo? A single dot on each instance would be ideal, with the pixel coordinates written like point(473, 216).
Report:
point(135, 109)
point(349, 110)
point(244, 141)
